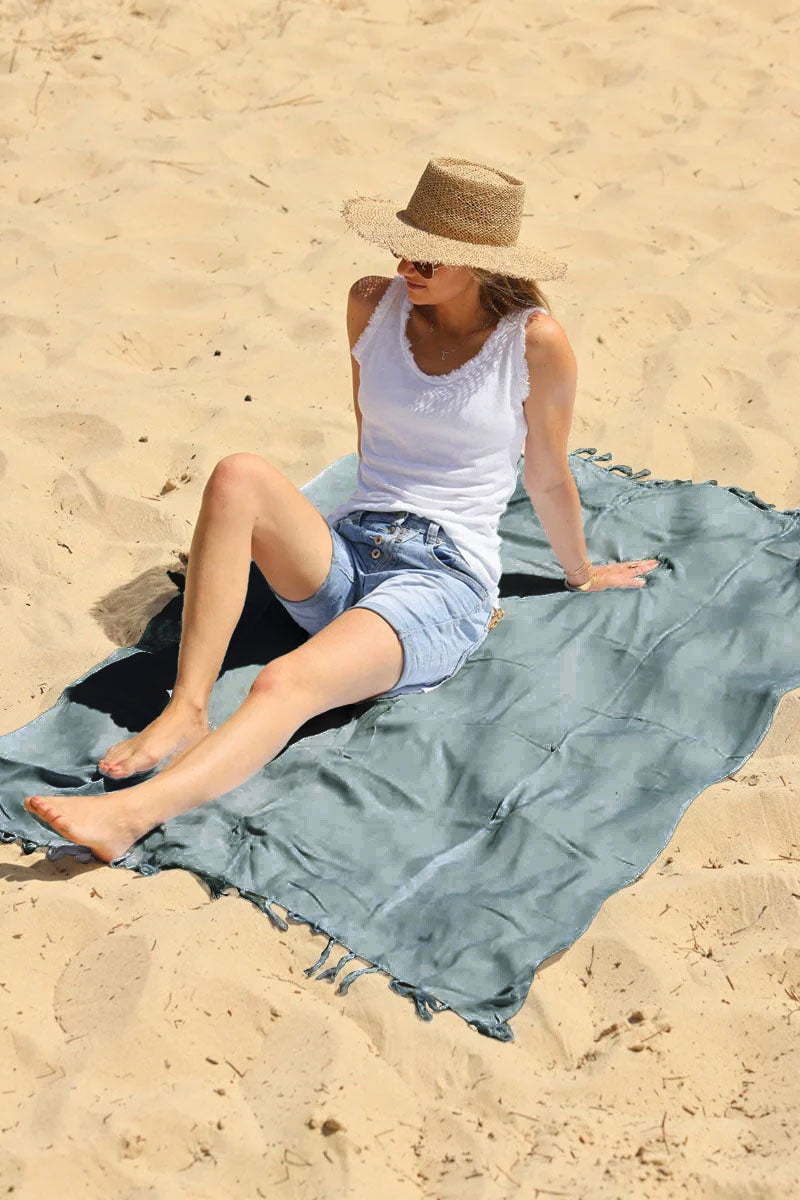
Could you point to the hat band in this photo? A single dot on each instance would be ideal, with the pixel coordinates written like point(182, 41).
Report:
point(477, 228)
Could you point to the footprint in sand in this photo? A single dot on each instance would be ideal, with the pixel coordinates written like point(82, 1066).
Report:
point(76, 434)
point(98, 991)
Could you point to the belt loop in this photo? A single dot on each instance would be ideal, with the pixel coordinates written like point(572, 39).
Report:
point(430, 536)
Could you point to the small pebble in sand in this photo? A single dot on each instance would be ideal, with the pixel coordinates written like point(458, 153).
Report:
point(331, 1125)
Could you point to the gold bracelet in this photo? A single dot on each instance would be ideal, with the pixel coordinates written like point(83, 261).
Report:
point(585, 565)
point(581, 587)
point(587, 562)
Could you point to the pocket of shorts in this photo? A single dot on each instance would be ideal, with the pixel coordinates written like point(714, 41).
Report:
point(448, 557)
point(469, 650)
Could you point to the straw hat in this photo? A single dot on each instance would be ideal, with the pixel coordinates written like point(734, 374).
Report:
point(461, 214)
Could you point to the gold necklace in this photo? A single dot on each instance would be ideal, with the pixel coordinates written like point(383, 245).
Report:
point(478, 330)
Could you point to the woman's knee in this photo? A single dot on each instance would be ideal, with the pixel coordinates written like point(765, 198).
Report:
point(278, 679)
point(236, 474)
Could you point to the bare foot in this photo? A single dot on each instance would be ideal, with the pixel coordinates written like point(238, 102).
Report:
point(176, 729)
point(94, 821)
point(181, 754)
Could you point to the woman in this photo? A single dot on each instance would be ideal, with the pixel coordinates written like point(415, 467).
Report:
point(456, 362)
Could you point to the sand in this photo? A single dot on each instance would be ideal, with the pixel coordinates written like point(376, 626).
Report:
point(169, 196)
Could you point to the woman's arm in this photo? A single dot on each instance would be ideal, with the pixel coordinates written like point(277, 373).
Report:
point(548, 409)
point(548, 479)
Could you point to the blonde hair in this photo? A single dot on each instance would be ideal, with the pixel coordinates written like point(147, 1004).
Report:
point(498, 294)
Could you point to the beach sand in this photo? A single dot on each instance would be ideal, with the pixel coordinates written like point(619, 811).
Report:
point(170, 188)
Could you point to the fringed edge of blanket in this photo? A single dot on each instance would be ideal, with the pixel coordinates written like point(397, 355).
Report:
point(742, 493)
point(425, 1002)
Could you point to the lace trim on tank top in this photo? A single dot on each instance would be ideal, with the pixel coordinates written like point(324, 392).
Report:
point(472, 368)
point(458, 383)
point(521, 375)
point(510, 328)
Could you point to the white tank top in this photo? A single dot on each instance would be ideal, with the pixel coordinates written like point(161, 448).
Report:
point(445, 447)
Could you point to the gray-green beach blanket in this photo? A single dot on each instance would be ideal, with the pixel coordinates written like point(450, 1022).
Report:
point(456, 839)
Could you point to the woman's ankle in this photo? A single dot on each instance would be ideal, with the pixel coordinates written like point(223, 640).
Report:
point(190, 706)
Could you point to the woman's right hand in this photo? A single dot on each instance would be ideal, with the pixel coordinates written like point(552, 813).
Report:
point(618, 575)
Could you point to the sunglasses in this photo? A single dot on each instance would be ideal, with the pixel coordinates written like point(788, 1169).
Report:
point(425, 269)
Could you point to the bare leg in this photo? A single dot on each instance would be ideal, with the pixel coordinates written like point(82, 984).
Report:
point(216, 579)
point(247, 506)
point(356, 657)
point(219, 762)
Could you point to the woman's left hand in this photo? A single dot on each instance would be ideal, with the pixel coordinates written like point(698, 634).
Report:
point(621, 574)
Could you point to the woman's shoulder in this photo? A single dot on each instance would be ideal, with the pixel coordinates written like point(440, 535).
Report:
point(367, 291)
point(548, 352)
point(544, 335)
point(364, 296)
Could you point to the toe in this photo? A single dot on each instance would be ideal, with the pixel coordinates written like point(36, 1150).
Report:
point(118, 770)
point(126, 764)
point(138, 762)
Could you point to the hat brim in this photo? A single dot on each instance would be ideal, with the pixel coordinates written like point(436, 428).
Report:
point(378, 220)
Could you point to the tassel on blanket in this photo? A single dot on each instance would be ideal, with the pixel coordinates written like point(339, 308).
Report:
point(332, 972)
point(343, 987)
point(264, 906)
point(743, 494)
point(422, 999)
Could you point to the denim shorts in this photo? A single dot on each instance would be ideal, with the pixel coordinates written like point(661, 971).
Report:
point(405, 568)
